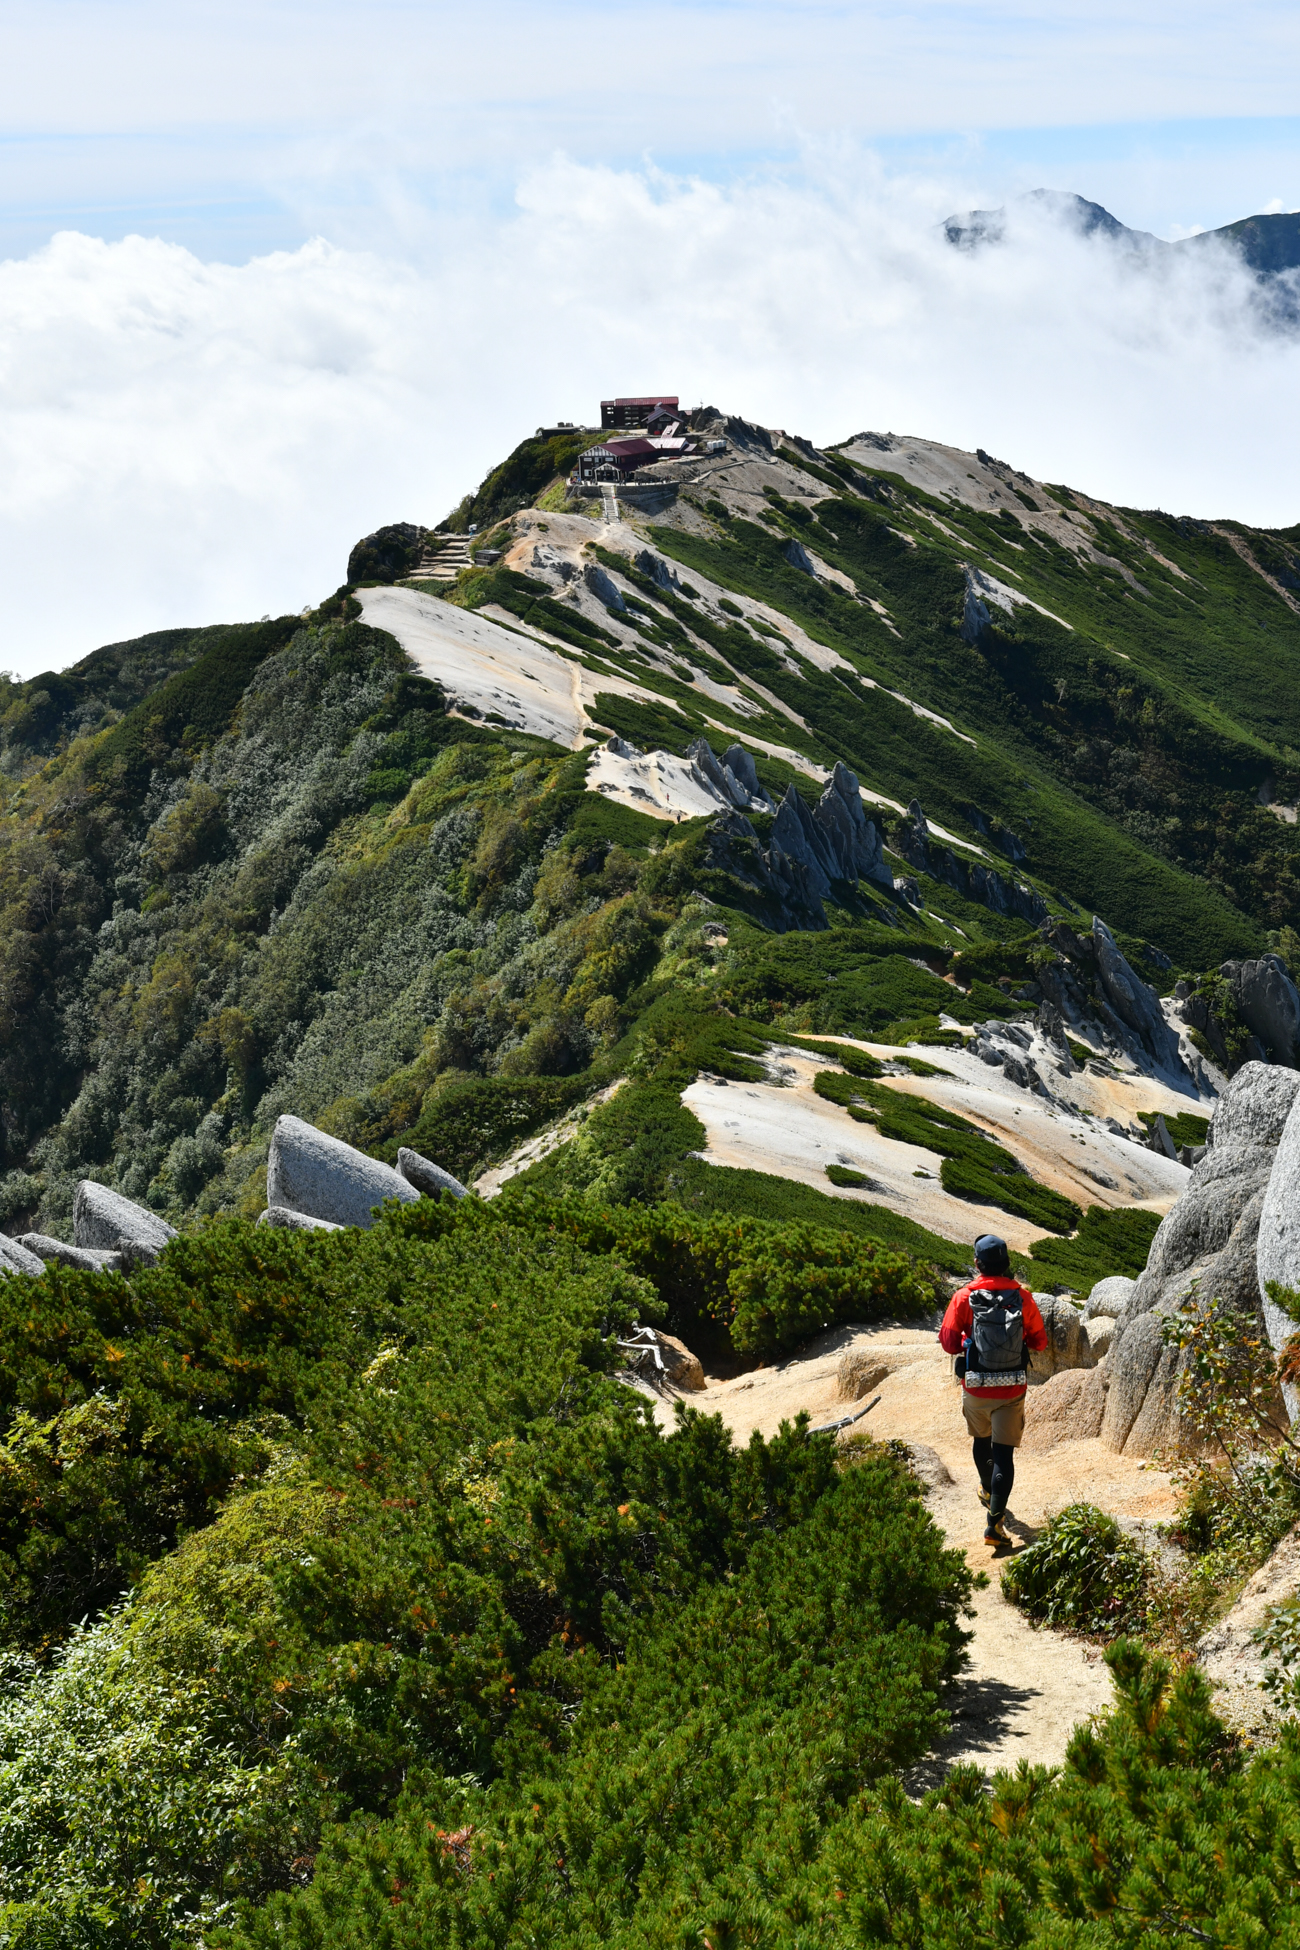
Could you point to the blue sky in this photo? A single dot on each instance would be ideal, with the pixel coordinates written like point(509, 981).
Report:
point(237, 128)
point(327, 262)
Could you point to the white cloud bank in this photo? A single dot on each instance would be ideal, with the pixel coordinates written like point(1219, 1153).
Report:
point(191, 442)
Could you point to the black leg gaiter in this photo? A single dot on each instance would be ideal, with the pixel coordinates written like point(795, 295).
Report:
point(982, 1450)
point(1003, 1475)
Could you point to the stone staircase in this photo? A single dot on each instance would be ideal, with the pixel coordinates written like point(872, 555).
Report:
point(444, 561)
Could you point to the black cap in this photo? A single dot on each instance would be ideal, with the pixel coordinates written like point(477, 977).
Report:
point(991, 1254)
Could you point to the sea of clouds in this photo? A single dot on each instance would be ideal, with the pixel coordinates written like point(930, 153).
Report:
point(187, 442)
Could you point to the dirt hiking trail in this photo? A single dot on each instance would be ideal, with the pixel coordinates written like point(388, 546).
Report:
point(1026, 1688)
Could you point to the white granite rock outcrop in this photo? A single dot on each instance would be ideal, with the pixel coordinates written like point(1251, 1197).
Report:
point(311, 1173)
point(280, 1215)
point(1208, 1245)
point(1277, 1251)
point(15, 1258)
point(104, 1221)
point(427, 1178)
point(86, 1258)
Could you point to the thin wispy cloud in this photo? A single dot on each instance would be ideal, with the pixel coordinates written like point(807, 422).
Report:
point(222, 126)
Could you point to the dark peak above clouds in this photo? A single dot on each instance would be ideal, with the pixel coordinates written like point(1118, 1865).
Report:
point(1269, 245)
point(975, 227)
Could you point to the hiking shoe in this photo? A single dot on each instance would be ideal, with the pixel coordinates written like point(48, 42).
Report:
point(984, 1495)
point(995, 1532)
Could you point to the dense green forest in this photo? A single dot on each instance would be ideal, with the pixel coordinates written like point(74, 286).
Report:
point(345, 1594)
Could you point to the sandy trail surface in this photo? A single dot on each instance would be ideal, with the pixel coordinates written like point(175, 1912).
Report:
point(784, 1128)
point(1025, 1689)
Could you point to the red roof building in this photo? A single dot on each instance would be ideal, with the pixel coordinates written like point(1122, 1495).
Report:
point(614, 460)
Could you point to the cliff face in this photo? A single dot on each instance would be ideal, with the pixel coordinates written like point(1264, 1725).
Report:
point(810, 853)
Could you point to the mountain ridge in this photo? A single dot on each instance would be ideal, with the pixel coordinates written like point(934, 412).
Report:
point(1268, 243)
point(410, 863)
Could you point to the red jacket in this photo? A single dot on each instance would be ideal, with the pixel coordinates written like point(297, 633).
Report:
point(959, 1322)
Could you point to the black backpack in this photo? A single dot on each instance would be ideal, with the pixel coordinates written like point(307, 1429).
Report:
point(997, 1342)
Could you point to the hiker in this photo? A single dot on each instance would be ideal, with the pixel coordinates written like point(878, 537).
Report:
point(988, 1325)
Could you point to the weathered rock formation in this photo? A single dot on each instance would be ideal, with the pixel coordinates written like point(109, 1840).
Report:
point(314, 1183)
point(324, 1178)
point(733, 776)
point(658, 1361)
point(281, 1215)
point(1067, 1408)
point(1229, 1654)
point(927, 1465)
point(975, 882)
point(15, 1258)
point(603, 587)
point(1268, 1002)
point(1092, 987)
point(1101, 1332)
point(858, 1371)
point(1206, 1246)
point(1127, 1004)
point(1277, 1255)
point(387, 555)
point(1109, 1297)
point(657, 570)
point(85, 1258)
point(429, 1179)
point(106, 1222)
point(808, 850)
point(1069, 1344)
point(975, 615)
point(797, 556)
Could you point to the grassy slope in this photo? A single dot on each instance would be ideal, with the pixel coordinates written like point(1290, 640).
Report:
point(1072, 845)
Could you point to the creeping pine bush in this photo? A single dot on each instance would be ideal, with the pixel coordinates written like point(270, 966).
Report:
point(1155, 1834)
point(770, 1284)
point(1156, 1831)
point(440, 1571)
point(699, 1774)
point(1082, 1573)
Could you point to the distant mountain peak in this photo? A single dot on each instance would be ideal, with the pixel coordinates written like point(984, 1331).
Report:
point(1269, 244)
point(1064, 207)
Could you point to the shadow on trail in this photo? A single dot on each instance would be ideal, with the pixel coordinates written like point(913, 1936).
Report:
point(985, 1714)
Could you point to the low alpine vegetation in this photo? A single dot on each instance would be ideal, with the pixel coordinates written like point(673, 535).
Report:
point(385, 1556)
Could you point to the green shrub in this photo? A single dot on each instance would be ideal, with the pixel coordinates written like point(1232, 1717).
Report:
point(1081, 1573)
point(194, 706)
point(704, 1188)
point(1107, 1241)
point(519, 479)
point(1153, 1833)
point(1185, 1129)
point(921, 1029)
point(985, 961)
point(458, 1552)
point(770, 1285)
point(842, 1175)
point(736, 1729)
point(858, 1062)
point(470, 1122)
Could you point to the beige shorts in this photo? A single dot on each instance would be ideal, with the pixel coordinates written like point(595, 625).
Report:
point(1004, 1421)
